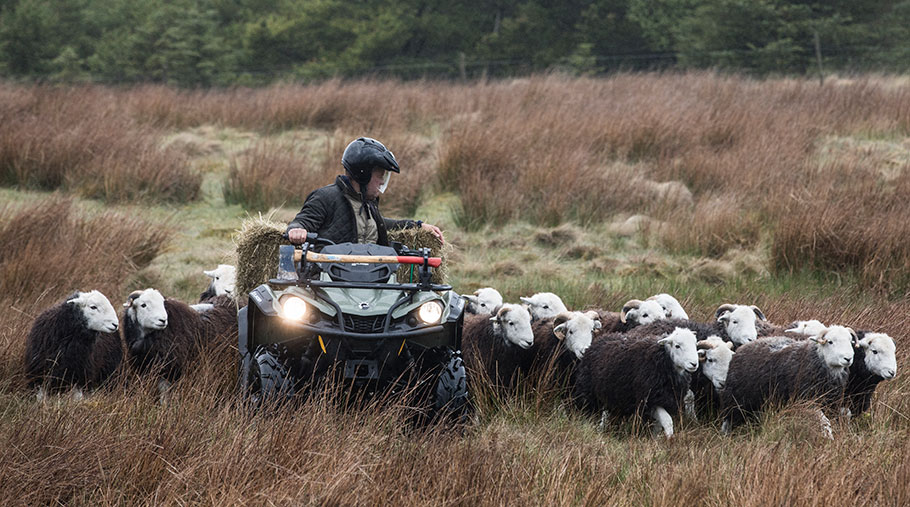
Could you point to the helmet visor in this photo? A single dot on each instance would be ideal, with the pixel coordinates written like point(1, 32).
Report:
point(385, 182)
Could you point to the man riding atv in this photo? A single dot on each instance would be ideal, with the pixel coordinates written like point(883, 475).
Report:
point(348, 210)
point(337, 311)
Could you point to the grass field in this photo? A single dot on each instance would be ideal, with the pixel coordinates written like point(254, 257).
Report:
point(717, 189)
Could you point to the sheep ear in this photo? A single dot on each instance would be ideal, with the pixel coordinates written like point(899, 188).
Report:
point(472, 299)
point(664, 341)
point(560, 331)
point(758, 312)
point(210, 274)
point(864, 343)
point(77, 298)
point(598, 325)
point(729, 345)
point(495, 318)
point(723, 309)
point(561, 318)
point(702, 355)
point(525, 300)
point(704, 344)
point(853, 336)
point(820, 339)
point(132, 297)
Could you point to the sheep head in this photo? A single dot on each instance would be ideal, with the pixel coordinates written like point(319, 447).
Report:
point(880, 354)
point(641, 312)
point(544, 305)
point(739, 322)
point(576, 330)
point(671, 306)
point(680, 345)
point(513, 323)
point(97, 311)
point(715, 356)
point(484, 301)
point(835, 347)
point(224, 279)
point(146, 307)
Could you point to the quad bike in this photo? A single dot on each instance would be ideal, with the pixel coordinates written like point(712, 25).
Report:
point(338, 313)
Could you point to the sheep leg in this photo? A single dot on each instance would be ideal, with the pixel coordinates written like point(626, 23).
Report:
point(41, 395)
point(689, 403)
point(726, 427)
point(826, 425)
point(164, 388)
point(604, 415)
point(77, 394)
point(663, 420)
point(846, 413)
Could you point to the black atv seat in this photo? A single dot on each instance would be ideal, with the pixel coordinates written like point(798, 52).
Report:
point(359, 272)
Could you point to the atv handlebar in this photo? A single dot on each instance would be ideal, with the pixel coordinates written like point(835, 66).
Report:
point(434, 262)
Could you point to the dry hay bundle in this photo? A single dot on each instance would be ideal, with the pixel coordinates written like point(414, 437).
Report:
point(257, 252)
point(419, 238)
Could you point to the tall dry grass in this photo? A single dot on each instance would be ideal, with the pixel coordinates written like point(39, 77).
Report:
point(81, 140)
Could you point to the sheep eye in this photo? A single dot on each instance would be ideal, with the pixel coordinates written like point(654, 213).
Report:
point(710, 360)
point(545, 307)
point(875, 352)
point(93, 307)
point(143, 305)
point(735, 322)
point(677, 346)
point(217, 278)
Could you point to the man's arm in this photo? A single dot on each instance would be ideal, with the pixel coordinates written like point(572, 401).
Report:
point(311, 217)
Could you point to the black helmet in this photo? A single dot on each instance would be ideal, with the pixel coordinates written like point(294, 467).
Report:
point(365, 154)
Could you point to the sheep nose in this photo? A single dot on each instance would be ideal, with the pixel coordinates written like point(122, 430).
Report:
point(890, 373)
point(721, 385)
point(847, 361)
point(163, 322)
point(692, 366)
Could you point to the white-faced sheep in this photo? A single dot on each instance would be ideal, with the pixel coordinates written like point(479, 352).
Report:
point(639, 376)
point(799, 327)
point(735, 323)
point(163, 335)
point(780, 370)
point(73, 344)
point(483, 302)
point(714, 356)
point(634, 313)
point(224, 280)
point(671, 306)
point(544, 305)
point(498, 345)
point(874, 360)
point(561, 341)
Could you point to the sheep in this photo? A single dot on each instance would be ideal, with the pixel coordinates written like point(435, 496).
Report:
point(671, 306)
point(483, 302)
point(781, 369)
point(164, 335)
point(799, 327)
point(735, 323)
point(498, 345)
point(634, 313)
point(874, 360)
point(714, 356)
point(73, 344)
point(544, 305)
point(561, 341)
point(638, 376)
point(224, 279)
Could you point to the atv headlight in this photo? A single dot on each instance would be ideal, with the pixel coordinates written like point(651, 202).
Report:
point(430, 312)
point(293, 308)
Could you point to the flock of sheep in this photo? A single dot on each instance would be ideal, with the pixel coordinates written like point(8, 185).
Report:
point(651, 360)
point(75, 345)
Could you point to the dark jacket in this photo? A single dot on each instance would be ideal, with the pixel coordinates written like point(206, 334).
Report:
point(328, 213)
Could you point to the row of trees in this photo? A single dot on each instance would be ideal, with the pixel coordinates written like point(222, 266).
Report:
point(221, 42)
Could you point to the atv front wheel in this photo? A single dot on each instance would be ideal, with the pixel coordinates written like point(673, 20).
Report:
point(451, 394)
point(269, 378)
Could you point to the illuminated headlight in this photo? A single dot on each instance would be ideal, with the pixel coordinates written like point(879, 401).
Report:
point(430, 312)
point(293, 308)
